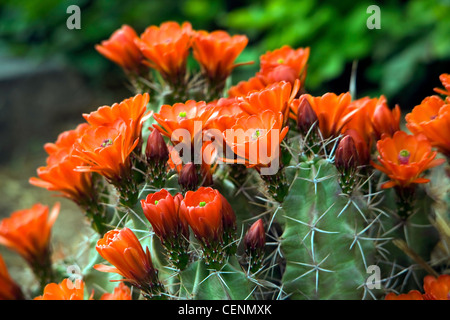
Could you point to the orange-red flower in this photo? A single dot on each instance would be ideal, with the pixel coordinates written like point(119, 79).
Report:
point(411, 295)
point(106, 150)
point(384, 120)
point(432, 118)
point(121, 49)
point(162, 210)
point(333, 111)
point(131, 111)
point(437, 288)
point(28, 232)
point(256, 139)
point(166, 48)
point(245, 86)
point(124, 251)
point(216, 53)
point(285, 63)
point(445, 79)
point(121, 292)
point(66, 290)
point(9, 289)
point(202, 209)
point(59, 174)
point(191, 116)
point(403, 158)
point(276, 97)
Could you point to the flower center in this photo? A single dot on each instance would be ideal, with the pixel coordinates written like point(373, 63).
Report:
point(256, 134)
point(156, 201)
point(280, 61)
point(403, 156)
point(433, 117)
point(106, 142)
point(182, 114)
point(202, 204)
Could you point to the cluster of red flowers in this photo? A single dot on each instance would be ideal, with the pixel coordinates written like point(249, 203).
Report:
point(246, 127)
point(436, 288)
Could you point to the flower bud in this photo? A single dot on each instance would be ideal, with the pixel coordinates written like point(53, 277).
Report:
point(156, 150)
point(346, 154)
point(188, 177)
point(254, 243)
point(306, 116)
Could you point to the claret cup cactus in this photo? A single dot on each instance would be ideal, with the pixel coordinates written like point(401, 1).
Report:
point(200, 188)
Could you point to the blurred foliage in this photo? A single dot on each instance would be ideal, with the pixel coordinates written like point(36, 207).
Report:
point(402, 60)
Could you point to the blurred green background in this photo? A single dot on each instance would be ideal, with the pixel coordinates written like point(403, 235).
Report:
point(50, 75)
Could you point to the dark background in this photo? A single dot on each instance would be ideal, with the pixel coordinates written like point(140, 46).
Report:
point(50, 75)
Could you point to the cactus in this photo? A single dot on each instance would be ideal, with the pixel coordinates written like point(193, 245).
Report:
point(316, 228)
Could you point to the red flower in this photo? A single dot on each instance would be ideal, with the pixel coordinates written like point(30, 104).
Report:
point(166, 49)
point(59, 174)
point(256, 139)
point(216, 53)
point(28, 232)
point(124, 251)
point(432, 119)
point(276, 97)
point(131, 111)
point(66, 290)
point(404, 158)
point(121, 49)
point(202, 209)
point(411, 295)
point(244, 87)
point(162, 210)
point(285, 63)
point(191, 116)
point(333, 112)
point(106, 150)
point(437, 288)
point(121, 292)
point(9, 290)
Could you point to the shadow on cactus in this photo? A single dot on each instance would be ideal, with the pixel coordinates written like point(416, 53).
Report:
point(197, 188)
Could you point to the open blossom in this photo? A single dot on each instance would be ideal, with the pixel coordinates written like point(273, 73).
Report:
point(121, 292)
point(28, 232)
point(284, 64)
point(121, 49)
point(124, 251)
point(106, 150)
point(216, 52)
point(131, 111)
point(191, 116)
point(166, 49)
point(66, 290)
point(59, 174)
point(437, 288)
point(276, 97)
point(332, 111)
point(403, 158)
point(432, 119)
point(9, 289)
point(256, 139)
point(162, 210)
point(242, 88)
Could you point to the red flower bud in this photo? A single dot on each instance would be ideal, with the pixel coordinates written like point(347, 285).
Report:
point(156, 150)
point(306, 117)
point(255, 238)
point(346, 154)
point(188, 177)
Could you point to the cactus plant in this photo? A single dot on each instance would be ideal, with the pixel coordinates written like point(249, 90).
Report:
point(291, 203)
